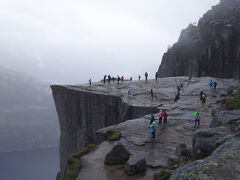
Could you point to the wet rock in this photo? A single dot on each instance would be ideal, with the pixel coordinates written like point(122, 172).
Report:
point(222, 164)
point(157, 161)
point(163, 175)
point(118, 155)
point(225, 118)
point(181, 150)
point(214, 39)
point(136, 164)
point(205, 141)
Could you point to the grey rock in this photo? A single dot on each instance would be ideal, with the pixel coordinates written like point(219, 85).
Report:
point(226, 118)
point(211, 48)
point(118, 155)
point(157, 161)
point(136, 164)
point(205, 141)
point(181, 150)
point(222, 164)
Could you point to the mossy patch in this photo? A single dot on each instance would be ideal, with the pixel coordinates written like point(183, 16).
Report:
point(113, 135)
point(163, 175)
point(233, 103)
point(74, 162)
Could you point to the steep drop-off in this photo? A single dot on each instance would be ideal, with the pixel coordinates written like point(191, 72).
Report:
point(212, 48)
point(82, 111)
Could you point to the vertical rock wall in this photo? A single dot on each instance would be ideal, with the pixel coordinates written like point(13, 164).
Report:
point(81, 113)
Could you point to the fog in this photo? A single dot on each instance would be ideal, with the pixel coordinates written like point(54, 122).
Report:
point(69, 41)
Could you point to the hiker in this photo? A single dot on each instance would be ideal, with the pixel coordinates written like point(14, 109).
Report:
point(201, 93)
point(156, 76)
point(129, 91)
point(152, 119)
point(104, 79)
point(204, 98)
point(153, 127)
point(90, 82)
point(146, 75)
point(210, 84)
point(118, 79)
point(122, 78)
point(165, 115)
point(130, 78)
point(197, 119)
point(109, 79)
point(152, 93)
point(215, 85)
point(160, 114)
point(139, 77)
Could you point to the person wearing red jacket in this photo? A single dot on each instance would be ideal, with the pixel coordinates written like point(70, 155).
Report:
point(165, 115)
point(122, 78)
point(146, 75)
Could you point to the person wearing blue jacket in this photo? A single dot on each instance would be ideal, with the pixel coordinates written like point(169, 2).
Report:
point(153, 128)
point(211, 84)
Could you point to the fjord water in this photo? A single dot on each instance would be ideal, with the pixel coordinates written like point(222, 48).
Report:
point(39, 164)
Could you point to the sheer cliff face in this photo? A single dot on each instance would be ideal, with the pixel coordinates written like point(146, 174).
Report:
point(82, 112)
point(210, 49)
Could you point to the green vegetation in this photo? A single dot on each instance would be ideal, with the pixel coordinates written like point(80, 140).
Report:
point(233, 103)
point(163, 175)
point(74, 163)
point(113, 135)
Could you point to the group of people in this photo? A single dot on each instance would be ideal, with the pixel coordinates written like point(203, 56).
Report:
point(153, 125)
point(212, 84)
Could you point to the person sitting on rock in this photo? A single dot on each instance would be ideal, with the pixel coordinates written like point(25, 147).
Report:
point(215, 85)
point(210, 84)
point(197, 120)
point(153, 128)
point(165, 115)
point(160, 114)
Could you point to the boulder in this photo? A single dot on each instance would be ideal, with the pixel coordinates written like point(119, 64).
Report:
point(162, 175)
point(224, 118)
point(136, 164)
point(205, 141)
point(118, 155)
point(181, 150)
point(222, 164)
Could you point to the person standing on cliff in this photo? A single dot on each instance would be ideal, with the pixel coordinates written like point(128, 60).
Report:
point(122, 78)
point(165, 115)
point(156, 76)
point(215, 85)
point(146, 75)
point(211, 84)
point(153, 127)
point(90, 82)
point(118, 79)
point(109, 79)
point(160, 114)
point(104, 79)
point(152, 93)
point(139, 77)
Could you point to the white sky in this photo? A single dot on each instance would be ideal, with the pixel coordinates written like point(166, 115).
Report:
point(70, 41)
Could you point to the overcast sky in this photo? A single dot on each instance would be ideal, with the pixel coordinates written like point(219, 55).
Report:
point(69, 41)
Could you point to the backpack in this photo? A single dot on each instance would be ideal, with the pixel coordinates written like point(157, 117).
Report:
point(203, 96)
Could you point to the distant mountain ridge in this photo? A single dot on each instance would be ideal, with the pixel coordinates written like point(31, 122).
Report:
point(212, 48)
point(27, 116)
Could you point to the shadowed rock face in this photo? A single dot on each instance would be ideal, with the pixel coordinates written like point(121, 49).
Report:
point(210, 49)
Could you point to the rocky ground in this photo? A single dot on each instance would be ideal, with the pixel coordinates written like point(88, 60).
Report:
point(136, 136)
